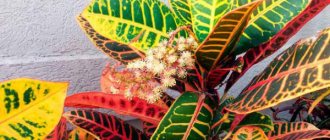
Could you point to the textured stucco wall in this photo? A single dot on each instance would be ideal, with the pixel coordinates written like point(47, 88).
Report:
point(41, 39)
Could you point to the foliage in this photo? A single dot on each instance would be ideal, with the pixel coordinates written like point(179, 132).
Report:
point(190, 47)
point(30, 108)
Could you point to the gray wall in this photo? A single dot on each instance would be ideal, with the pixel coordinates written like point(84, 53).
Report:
point(41, 39)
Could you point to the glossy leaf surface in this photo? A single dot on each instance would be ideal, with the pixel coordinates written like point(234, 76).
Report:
point(182, 9)
point(140, 23)
point(30, 109)
point(60, 132)
point(122, 52)
point(206, 13)
point(264, 50)
point(249, 133)
point(259, 120)
point(267, 20)
point(302, 69)
point(81, 134)
point(119, 103)
point(103, 125)
point(296, 130)
point(188, 118)
point(224, 35)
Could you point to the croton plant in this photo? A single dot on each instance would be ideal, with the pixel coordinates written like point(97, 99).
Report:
point(192, 47)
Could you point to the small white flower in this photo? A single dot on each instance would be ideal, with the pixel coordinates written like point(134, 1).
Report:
point(190, 62)
point(182, 62)
point(163, 43)
point(168, 82)
point(170, 72)
point(182, 46)
point(190, 40)
point(181, 40)
point(158, 67)
point(186, 55)
point(159, 55)
point(157, 90)
point(195, 45)
point(149, 65)
point(128, 94)
point(172, 58)
point(113, 90)
point(182, 73)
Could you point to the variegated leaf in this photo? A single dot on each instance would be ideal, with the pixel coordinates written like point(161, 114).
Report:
point(322, 94)
point(296, 131)
point(257, 54)
point(206, 13)
point(136, 107)
point(249, 133)
point(267, 20)
point(304, 68)
point(139, 23)
point(60, 132)
point(81, 134)
point(259, 120)
point(30, 109)
point(309, 135)
point(149, 128)
point(119, 51)
point(223, 37)
point(188, 118)
point(103, 125)
point(182, 9)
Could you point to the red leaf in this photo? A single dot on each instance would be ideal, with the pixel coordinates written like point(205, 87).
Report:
point(104, 126)
point(136, 107)
point(59, 133)
point(149, 128)
point(257, 54)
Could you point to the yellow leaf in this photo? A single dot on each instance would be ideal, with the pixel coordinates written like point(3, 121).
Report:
point(30, 109)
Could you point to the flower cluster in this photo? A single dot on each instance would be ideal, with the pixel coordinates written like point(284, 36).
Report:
point(162, 65)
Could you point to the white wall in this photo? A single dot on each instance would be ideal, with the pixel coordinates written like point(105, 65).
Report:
point(41, 39)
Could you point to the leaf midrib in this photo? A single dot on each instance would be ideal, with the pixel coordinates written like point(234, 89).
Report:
point(198, 108)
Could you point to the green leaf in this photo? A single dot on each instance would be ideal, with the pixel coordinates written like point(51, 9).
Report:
point(249, 133)
point(119, 51)
point(257, 54)
point(223, 37)
point(103, 125)
point(136, 24)
point(206, 13)
point(188, 118)
point(259, 120)
point(302, 69)
point(30, 109)
point(267, 20)
point(182, 9)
